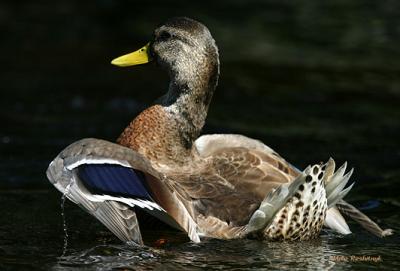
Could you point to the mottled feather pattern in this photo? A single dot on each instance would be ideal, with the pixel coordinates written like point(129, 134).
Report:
point(303, 216)
point(222, 186)
point(221, 189)
point(230, 183)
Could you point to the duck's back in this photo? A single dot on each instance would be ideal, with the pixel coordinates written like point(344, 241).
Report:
point(236, 177)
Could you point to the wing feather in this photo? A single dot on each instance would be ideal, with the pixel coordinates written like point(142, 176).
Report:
point(111, 211)
point(236, 175)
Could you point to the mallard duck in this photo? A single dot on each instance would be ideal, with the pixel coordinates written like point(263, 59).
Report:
point(216, 186)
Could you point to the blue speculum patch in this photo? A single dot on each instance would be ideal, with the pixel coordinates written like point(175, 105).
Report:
point(114, 180)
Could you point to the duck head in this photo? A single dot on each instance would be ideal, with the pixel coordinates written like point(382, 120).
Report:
point(186, 49)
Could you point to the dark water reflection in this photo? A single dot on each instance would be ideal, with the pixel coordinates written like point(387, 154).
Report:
point(234, 255)
point(310, 79)
point(32, 238)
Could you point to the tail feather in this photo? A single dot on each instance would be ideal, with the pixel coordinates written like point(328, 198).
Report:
point(329, 169)
point(335, 221)
point(336, 178)
point(276, 200)
point(340, 195)
point(335, 182)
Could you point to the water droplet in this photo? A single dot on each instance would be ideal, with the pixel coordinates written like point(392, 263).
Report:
point(65, 228)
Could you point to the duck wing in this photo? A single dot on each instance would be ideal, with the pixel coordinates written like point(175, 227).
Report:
point(207, 145)
point(237, 174)
point(109, 181)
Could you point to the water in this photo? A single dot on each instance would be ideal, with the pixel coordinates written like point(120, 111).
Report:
point(34, 240)
point(311, 80)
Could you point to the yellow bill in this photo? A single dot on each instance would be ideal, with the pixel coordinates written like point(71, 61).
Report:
point(140, 56)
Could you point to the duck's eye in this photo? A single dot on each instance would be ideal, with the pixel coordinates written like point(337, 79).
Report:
point(163, 36)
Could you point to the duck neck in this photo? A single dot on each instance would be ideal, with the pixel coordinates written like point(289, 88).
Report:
point(189, 96)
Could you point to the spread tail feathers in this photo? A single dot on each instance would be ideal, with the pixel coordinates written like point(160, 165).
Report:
point(335, 182)
point(276, 200)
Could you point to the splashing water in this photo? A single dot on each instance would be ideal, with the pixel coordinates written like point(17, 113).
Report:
point(65, 228)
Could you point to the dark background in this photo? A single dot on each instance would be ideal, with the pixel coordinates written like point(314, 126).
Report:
point(309, 79)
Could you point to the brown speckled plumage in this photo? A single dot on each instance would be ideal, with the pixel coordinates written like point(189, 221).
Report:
point(229, 184)
point(152, 134)
point(220, 186)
